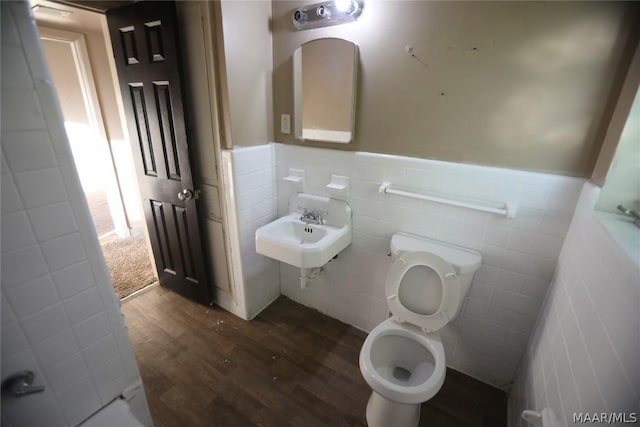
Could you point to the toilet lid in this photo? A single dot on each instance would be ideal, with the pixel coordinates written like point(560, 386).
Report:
point(407, 304)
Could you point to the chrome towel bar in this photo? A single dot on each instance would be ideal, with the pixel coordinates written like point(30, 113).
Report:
point(510, 210)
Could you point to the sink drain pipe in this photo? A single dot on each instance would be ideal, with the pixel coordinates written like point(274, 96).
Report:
point(307, 274)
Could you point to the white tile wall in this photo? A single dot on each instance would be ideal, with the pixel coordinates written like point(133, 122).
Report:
point(583, 354)
point(255, 193)
point(60, 316)
point(488, 338)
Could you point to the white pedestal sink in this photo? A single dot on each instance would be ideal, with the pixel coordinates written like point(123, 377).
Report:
point(307, 245)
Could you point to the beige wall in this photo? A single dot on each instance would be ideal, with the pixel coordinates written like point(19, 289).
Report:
point(91, 26)
point(63, 71)
point(514, 84)
point(247, 45)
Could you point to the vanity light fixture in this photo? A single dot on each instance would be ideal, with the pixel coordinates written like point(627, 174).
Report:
point(327, 13)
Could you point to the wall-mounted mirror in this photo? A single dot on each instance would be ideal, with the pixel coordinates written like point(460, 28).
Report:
point(324, 90)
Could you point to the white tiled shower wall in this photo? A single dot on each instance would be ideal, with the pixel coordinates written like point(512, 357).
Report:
point(60, 316)
point(255, 192)
point(583, 354)
point(489, 336)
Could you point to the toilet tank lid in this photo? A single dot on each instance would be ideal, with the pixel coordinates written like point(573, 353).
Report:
point(464, 260)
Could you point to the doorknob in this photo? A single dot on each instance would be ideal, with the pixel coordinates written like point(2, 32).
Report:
point(19, 384)
point(185, 194)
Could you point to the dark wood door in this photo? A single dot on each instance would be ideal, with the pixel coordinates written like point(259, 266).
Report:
point(144, 39)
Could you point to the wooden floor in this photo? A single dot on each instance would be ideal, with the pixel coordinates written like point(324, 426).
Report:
point(291, 366)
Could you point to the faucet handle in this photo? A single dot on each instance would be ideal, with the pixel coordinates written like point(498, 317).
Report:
point(631, 213)
point(321, 215)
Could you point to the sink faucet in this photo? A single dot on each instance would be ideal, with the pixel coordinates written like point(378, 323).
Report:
point(313, 217)
point(630, 212)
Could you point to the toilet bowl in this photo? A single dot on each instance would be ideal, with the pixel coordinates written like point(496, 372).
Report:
point(402, 363)
point(403, 359)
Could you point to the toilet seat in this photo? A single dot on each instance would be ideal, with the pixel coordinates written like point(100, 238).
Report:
point(450, 290)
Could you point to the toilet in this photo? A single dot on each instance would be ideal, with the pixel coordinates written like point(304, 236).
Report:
point(403, 359)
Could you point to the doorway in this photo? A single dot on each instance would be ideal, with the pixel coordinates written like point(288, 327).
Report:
point(104, 163)
point(202, 45)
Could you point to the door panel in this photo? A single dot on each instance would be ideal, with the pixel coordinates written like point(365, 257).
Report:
point(197, 82)
point(144, 38)
point(192, 17)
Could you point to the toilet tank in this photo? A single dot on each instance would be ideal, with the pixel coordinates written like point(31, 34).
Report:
point(465, 261)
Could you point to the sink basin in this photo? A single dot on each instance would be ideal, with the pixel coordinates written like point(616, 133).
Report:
point(290, 240)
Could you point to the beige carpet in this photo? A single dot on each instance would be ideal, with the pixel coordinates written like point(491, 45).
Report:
point(129, 265)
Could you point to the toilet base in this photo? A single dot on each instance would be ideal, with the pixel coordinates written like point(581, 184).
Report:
point(382, 412)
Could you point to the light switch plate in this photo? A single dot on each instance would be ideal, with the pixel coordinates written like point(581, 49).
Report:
point(285, 123)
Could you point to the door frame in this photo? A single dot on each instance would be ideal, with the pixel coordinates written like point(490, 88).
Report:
point(76, 42)
point(223, 143)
